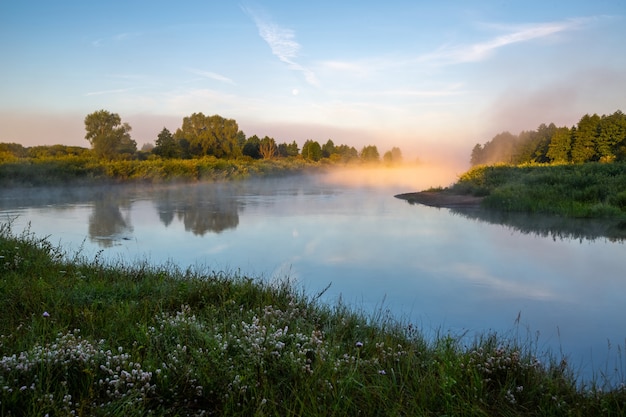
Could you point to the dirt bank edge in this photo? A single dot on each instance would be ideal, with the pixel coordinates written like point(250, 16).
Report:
point(441, 199)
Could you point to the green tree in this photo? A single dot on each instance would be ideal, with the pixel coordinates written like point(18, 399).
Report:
point(347, 153)
point(560, 146)
point(584, 139)
point(312, 150)
point(286, 150)
point(252, 147)
point(370, 153)
point(328, 149)
point(210, 135)
point(108, 136)
point(166, 146)
point(611, 134)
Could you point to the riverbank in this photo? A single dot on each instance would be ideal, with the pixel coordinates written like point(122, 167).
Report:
point(82, 337)
point(591, 190)
point(78, 171)
point(442, 199)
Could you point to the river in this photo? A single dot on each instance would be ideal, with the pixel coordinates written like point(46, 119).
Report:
point(559, 290)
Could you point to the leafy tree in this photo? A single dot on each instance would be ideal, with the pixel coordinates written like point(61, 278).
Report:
point(210, 135)
point(584, 139)
point(499, 149)
point(611, 134)
point(560, 145)
point(268, 148)
point(394, 156)
point(166, 145)
point(252, 147)
point(108, 136)
point(286, 150)
point(370, 154)
point(477, 157)
point(328, 149)
point(347, 153)
point(12, 151)
point(312, 150)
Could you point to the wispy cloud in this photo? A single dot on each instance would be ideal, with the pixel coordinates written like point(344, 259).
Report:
point(282, 42)
point(212, 75)
point(515, 34)
point(120, 37)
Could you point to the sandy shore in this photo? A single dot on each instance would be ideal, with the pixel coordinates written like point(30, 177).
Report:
point(441, 199)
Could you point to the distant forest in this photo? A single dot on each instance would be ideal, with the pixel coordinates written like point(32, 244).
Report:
point(199, 136)
point(594, 139)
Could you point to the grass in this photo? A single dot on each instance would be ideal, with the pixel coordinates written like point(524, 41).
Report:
point(72, 170)
point(591, 190)
point(81, 337)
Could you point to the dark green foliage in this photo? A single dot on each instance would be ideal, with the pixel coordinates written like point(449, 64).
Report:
point(252, 147)
point(594, 138)
point(166, 146)
point(312, 150)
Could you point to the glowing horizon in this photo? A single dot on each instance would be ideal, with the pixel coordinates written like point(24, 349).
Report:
point(431, 79)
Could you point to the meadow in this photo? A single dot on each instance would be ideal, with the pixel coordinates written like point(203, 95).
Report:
point(590, 190)
point(83, 337)
point(84, 170)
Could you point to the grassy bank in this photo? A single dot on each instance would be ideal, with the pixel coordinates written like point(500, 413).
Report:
point(72, 170)
point(79, 337)
point(591, 190)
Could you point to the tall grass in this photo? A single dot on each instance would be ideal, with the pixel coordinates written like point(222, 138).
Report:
point(591, 190)
point(85, 170)
point(81, 337)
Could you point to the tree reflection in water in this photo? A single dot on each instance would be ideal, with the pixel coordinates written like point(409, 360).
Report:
point(556, 227)
point(202, 208)
point(107, 224)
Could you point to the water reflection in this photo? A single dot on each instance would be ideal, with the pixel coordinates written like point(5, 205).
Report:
point(107, 224)
point(555, 227)
point(202, 209)
point(439, 269)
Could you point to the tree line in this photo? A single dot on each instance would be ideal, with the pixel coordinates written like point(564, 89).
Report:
point(594, 139)
point(199, 136)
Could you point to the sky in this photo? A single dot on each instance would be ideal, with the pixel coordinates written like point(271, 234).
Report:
point(430, 77)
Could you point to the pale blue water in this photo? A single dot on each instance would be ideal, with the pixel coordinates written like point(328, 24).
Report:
point(432, 267)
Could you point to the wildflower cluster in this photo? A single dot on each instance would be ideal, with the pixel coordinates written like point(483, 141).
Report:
point(26, 378)
point(503, 370)
point(11, 260)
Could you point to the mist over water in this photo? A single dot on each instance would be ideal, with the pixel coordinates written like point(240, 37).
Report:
point(439, 269)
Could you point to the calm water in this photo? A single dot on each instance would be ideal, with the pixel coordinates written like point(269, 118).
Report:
point(442, 270)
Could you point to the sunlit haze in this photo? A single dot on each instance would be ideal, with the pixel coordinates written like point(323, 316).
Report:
point(433, 78)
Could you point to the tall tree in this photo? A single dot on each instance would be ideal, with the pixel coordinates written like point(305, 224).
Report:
point(108, 136)
point(560, 145)
point(370, 154)
point(166, 145)
point(584, 139)
point(252, 147)
point(611, 134)
point(328, 149)
point(210, 135)
point(286, 150)
point(268, 148)
point(312, 150)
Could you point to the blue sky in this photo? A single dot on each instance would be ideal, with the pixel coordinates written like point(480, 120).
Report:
point(433, 78)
